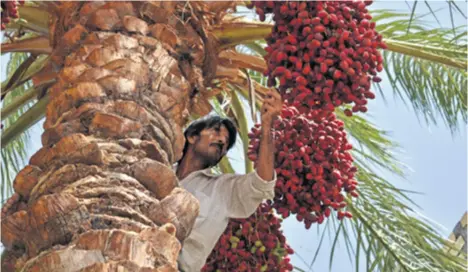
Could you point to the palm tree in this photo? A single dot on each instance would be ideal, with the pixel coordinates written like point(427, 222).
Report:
point(117, 81)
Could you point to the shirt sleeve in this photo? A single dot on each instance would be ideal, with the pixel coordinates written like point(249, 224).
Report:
point(244, 193)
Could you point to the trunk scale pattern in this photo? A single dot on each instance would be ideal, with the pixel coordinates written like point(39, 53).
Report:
point(101, 194)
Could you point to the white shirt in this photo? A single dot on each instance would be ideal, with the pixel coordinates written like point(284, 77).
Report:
point(221, 197)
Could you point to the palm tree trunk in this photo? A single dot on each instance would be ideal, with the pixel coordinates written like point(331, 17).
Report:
point(101, 194)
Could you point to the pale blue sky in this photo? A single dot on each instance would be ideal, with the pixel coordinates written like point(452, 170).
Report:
point(437, 158)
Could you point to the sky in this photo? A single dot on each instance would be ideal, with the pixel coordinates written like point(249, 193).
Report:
point(438, 160)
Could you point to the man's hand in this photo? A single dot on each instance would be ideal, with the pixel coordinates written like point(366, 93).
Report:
point(271, 108)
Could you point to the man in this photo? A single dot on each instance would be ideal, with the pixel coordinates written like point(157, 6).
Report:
point(223, 196)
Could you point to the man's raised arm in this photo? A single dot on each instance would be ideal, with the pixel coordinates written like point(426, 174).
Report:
point(244, 193)
point(271, 108)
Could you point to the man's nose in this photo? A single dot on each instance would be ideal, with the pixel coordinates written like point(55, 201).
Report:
point(221, 141)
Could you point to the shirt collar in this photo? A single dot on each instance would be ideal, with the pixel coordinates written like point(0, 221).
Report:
point(207, 172)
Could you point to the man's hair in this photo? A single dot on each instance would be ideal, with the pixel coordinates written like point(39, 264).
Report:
point(210, 122)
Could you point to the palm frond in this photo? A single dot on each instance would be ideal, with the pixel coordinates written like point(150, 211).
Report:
point(412, 15)
point(452, 6)
point(373, 144)
point(35, 45)
point(434, 88)
point(432, 12)
point(240, 113)
point(225, 166)
point(25, 76)
point(399, 237)
point(19, 101)
point(385, 221)
point(14, 154)
point(386, 232)
point(29, 118)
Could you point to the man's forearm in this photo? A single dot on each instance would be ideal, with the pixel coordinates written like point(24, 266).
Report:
point(266, 157)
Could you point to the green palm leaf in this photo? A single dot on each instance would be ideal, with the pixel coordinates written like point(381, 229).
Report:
point(386, 231)
point(240, 113)
point(372, 144)
point(427, 66)
point(14, 153)
point(386, 234)
point(403, 240)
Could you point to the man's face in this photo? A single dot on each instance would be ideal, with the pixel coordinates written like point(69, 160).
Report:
point(211, 144)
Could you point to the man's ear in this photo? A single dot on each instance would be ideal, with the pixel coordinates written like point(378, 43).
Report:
point(192, 139)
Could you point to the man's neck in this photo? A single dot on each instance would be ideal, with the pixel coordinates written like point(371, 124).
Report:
point(189, 163)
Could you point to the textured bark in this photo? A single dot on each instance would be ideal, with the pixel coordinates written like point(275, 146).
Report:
point(101, 195)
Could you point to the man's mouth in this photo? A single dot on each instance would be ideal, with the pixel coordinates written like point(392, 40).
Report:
point(219, 147)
